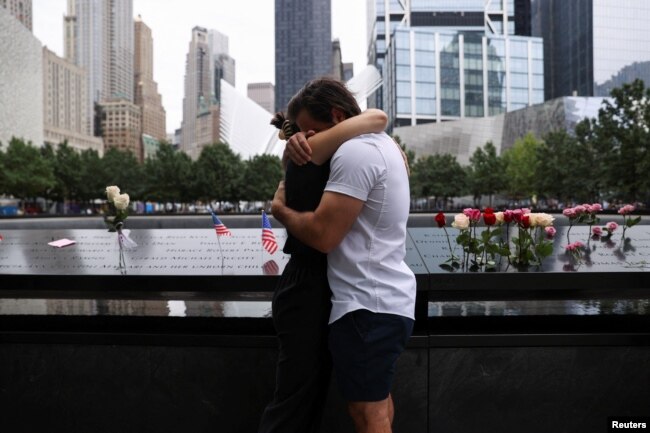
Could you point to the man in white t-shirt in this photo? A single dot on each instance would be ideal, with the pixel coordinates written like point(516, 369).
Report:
point(361, 224)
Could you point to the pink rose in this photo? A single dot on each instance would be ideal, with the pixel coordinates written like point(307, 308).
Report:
point(550, 232)
point(569, 212)
point(580, 209)
point(579, 244)
point(525, 210)
point(508, 216)
point(611, 226)
point(627, 209)
point(570, 247)
point(596, 207)
point(597, 231)
point(473, 214)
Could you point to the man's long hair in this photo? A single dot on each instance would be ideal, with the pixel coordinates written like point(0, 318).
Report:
point(319, 96)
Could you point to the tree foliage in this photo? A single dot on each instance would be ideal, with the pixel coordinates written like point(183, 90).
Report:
point(262, 173)
point(486, 175)
point(219, 174)
point(520, 164)
point(26, 173)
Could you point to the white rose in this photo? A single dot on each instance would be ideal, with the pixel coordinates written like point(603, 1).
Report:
point(461, 221)
point(500, 218)
point(112, 192)
point(541, 220)
point(121, 201)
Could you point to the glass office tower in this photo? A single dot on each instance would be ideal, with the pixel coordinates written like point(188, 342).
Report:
point(433, 76)
point(592, 46)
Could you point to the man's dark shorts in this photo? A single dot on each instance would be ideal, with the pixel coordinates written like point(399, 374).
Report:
point(365, 347)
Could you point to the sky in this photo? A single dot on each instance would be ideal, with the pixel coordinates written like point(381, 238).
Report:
point(249, 24)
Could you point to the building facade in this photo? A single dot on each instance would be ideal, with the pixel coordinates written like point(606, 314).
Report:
point(146, 89)
point(485, 17)
point(21, 9)
point(208, 65)
point(462, 137)
point(303, 35)
point(434, 76)
point(121, 126)
point(263, 94)
point(99, 38)
point(21, 82)
point(592, 46)
point(64, 91)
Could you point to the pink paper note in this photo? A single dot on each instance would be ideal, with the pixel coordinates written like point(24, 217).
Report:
point(62, 243)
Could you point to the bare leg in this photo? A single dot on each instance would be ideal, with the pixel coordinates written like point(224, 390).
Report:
point(371, 417)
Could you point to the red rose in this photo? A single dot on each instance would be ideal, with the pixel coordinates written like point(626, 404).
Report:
point(489, 218)
point(440, 219)
point(525, 221)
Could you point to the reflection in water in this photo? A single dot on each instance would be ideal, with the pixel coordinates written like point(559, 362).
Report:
point(176, 308)
point(591, 307)
point(260, 307)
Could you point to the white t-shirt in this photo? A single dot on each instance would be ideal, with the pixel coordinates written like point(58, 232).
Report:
point(367, 270)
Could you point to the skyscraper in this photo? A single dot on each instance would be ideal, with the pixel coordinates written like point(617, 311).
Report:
point(592, 46)
point(21, 9)
point(99, 38)
point(21, 82)
point(303, 45)
point(64, 89)
point(146, 89)
point(263, 94)
point(447, 60)
point(208, 62)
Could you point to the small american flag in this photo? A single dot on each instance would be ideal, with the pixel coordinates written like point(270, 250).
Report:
point(270, 268)
point(268, 238)
point(1, 238)
point(221, 229)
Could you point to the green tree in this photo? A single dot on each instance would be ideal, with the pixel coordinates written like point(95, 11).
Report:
point(520, 165)
point(169, 176)
point(219, 174)
point(121, 168)
point(65, 166)
point(487, 176)
point(262, 173)
point(27, 174)
point(621, 136)
point(438, 176)
point(564, 169)
point(92, 176)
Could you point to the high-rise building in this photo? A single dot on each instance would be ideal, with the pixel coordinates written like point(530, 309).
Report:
point(208, 62)
point(348, 71)
point(121, 126)
point(99, 38)
point(64, 90)
point(447, 60)
point(21, 9)
point(223, 66)
point(337, 60)
point(592, 46)
point(502, 17)
point(263, 94)
point(21, 82)
point(303, 45)
point(146, 89)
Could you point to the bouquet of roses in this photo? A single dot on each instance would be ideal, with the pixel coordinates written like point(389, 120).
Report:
point(118, 204)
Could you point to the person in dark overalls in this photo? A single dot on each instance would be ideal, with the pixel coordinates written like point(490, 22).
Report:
point(301, 301)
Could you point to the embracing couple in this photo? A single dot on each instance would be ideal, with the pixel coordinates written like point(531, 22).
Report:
point(346, 299)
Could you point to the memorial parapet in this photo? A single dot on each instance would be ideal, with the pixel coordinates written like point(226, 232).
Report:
point(197, 261)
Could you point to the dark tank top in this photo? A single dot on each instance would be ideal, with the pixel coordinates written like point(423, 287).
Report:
point(304, 186)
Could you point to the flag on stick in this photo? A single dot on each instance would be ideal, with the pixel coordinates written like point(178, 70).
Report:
point(268, 238)
point(220, 228)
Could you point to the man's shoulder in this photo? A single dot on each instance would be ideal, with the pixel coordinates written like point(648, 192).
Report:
point(360, 144)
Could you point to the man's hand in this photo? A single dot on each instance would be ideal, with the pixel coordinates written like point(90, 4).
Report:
point(279, 202)
point(297, 148)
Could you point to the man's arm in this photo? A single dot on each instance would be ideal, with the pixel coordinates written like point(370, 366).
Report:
point(323, 229)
